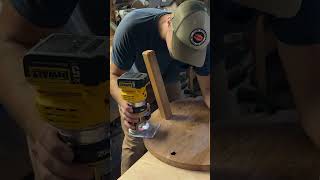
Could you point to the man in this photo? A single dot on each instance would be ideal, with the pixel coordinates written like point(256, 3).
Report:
point(180, 40)
point(23, 24)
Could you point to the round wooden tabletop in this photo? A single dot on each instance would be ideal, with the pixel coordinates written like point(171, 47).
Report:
point(184, 140)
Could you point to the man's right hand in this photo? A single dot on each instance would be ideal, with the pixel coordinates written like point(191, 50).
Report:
point(53, 158)
point(126, 112)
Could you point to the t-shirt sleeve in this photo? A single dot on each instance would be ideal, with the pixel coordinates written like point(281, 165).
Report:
point(123, 49)
point(45, 13)
point(205, 69)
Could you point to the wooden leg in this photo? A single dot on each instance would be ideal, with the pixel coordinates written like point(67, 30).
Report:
point(302, 64)
point(156, 80)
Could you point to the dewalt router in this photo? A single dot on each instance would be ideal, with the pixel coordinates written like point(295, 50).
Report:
point(69, 74)
point(134, 90)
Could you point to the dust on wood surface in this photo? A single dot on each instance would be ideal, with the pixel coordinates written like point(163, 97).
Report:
point(183, 141)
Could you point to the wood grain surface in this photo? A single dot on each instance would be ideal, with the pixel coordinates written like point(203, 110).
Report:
point(183, 141)
point(156, 80)
point(150, 168)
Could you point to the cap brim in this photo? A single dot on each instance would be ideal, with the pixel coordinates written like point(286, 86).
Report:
point(185, 54)
point(279, 8)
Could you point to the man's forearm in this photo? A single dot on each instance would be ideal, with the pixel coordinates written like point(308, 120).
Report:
point(16, 95)
point(115, 91)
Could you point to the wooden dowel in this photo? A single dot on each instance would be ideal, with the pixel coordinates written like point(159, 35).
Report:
point(156, 80)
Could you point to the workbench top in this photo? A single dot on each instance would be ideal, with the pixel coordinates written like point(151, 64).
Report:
point(148, 167)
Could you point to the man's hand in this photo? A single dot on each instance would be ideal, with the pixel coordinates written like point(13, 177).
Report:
point(125, 110)
point(54, 158)
point(129, 118)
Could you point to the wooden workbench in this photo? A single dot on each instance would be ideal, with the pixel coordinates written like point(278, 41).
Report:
point(148, 167)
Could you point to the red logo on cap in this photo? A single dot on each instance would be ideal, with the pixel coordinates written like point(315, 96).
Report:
point(198, 37)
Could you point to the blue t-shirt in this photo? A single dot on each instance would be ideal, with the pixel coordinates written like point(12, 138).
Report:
point(137, 32)
point(46, 13)
point(76, 16)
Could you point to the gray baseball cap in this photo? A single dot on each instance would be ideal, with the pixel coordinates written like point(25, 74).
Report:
point(191, 32)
